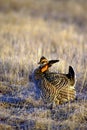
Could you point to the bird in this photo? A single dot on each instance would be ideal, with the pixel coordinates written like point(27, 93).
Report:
point(55, 88)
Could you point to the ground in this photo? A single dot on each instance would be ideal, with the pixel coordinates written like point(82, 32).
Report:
point(29, 29)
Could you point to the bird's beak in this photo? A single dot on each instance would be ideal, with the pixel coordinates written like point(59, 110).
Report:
point(50, 62)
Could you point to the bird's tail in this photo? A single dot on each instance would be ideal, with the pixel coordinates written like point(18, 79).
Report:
point(71, 75)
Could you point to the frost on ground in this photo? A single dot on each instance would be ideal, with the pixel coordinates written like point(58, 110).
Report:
point(25, 110)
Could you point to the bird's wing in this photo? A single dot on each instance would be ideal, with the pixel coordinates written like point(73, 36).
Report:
point(58, 80)
point(67, 93)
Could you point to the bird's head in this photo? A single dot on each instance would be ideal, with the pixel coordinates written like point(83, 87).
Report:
point(45, 64)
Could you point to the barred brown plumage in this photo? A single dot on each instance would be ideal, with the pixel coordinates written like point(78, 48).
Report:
point(55, 88)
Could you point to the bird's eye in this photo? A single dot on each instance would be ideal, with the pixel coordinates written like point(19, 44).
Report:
point(43, 62)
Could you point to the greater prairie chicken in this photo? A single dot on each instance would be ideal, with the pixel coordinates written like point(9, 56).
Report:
point(55, 88)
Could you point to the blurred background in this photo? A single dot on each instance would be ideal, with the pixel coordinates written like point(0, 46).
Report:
point(53, 28)
point(56, 29)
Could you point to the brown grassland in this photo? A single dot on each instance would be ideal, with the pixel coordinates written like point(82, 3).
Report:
point(29, 29)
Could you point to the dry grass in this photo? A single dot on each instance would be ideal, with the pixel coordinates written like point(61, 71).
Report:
point(52, 29)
